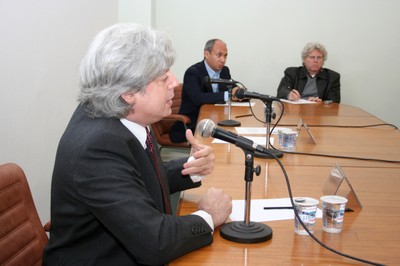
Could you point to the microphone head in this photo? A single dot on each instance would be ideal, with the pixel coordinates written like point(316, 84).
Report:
point(240, 93)
point(205, 128)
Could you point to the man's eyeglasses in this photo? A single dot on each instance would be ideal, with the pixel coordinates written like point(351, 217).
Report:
point(317, 58)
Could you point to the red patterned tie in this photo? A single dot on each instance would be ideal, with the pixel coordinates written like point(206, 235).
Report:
point(150, 146)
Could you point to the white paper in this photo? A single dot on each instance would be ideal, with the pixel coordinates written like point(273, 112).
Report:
point(258, 214)
point(251, 130)
point(258, 130)
point(242, 104)
point(258, 140)
point(301, 101)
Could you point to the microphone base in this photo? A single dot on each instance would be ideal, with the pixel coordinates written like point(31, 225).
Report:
point(277, 153)
point(229, 123)
point(240, 232)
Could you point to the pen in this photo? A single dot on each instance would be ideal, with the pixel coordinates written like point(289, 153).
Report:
point(238, 116)
point(278, 208)
point(294, 91)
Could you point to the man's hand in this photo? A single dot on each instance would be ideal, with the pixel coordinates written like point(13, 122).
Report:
point(218, 204)
point(294, 95)
point(314, 99)
point(234, 93)
point(204, 157)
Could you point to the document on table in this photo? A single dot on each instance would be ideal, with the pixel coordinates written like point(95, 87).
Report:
point(301, 101)
point(258, 214)
point(243, 104)
point(258, 140)
point(257, 130)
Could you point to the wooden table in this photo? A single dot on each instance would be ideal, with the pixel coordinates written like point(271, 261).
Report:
point(372, 233)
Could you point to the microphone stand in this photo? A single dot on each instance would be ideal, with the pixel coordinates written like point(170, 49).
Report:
point(268, 119)
point(229, 122)
point(247, 231)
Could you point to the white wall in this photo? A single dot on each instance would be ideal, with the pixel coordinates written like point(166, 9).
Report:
point(266, 36)
point(42, 44)
point(137, 11)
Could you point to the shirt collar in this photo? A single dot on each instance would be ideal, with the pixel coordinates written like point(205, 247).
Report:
point(137, 130)
point(321, 74)
point(211, 72)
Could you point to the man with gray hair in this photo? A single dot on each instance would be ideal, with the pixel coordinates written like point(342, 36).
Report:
point(110, 195)
point(311, 81)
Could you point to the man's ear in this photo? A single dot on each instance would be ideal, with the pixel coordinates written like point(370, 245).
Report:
point(128, 97)
point(206, 53)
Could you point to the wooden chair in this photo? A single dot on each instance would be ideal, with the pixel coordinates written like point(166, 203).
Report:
point(22, 236)
point(162, 128)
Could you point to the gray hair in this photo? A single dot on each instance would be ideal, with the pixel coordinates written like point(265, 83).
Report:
point(123, 58)
point(311, 46)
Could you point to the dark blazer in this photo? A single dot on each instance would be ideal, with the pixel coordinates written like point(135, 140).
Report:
point(106, 201)
point(328, 83)
point(195, 93)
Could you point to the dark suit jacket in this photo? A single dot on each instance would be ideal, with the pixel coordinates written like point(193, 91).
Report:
point(328, 83)
point(106, 202)
point(194, 94)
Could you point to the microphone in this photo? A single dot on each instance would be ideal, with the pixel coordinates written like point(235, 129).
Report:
point(207, 128)
point(244, 94)
point(208, 80)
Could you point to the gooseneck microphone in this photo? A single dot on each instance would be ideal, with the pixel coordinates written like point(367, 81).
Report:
point(244, 94)
point(207, 128)
point(208, 80)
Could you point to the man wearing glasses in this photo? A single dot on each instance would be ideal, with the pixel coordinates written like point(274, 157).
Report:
point(311, 81)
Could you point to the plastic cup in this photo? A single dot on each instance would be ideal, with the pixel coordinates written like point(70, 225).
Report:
point(333, 208)
point(287, 139)
point(280, 137)
point(307, 210)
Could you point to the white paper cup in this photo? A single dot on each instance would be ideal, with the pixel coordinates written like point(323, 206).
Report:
point(333, 208)
point(307, 210)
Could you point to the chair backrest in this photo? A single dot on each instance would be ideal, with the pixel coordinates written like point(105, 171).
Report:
point(22, 237)
point(162, 128)
point(177, 100)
